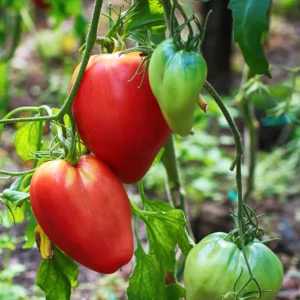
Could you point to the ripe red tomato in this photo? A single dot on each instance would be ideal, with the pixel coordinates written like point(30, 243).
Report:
point(119, 122)
point(85, 211)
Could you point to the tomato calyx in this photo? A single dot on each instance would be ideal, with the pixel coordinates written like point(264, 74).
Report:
point(194, 40)
point(251, 229)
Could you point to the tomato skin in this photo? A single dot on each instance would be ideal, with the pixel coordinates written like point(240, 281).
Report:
point(42, 3)
point(85, 211)
point(119, 122)
point(213, 266)
point(176, 78)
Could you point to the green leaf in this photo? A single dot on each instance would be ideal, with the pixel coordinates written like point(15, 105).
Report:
point(158, 156)
point(61, 9)
point(147, 280)
point(26, 140)
point(175, 291)
point(250, 22)
point(165, 229)
point(148, 17)
point(57, 276)
point(15, 196)
point(29, 232)
point(80, 25)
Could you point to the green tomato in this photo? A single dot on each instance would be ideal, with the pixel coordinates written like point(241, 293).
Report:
point(216, 267)
point(176, 78)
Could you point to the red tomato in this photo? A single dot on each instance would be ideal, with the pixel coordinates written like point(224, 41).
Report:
point(85, 211)
point(42, 3)
point(119, 122)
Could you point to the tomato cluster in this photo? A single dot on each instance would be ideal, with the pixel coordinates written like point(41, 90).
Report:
point(121, 123)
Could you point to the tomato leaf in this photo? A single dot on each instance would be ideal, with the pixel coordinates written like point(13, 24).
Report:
point(61, 9)
point(147, 280)
point(158, 156)
point(15, 196)
point(175, 291)
point(57, 276)
point(166, 229)
point(29, 232)
point(15, 212)
point(148, 18)
point(26, 140)
point(250, 22)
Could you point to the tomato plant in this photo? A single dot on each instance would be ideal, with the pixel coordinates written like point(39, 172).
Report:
point(216, 267)
point(75, 203)
point(120, 122)
point(85, 211)
point(176, 78)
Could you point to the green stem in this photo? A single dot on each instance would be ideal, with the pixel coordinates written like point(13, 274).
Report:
point(171, 166)
point(238, 164)
point(14, 174)
point(168, 14)
point(21, 109)
point(234, 130)
point(39, 139)
point(186, 19)
point(174, 184)
point(251, 142)
point(141, 191)
point(136, 211)
point(90, 42)
point(250, 136)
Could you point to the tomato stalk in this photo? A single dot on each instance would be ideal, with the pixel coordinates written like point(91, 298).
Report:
point(15, 174)
point(169, 16)
point(237, 163)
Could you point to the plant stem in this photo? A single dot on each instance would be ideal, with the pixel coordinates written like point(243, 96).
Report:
point(251, 144)
point(15, 174)
point(168, 11)
point(250, 135)
point(232, 125)
point(171, 166)
point(238, 164)
point(90, 42)
point(176, 191)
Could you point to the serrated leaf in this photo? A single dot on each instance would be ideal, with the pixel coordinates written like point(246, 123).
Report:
point(148, 17)
point(26, 140)
point(166, 229)
point(57, 276)
point(250, 22)
point(147, 280)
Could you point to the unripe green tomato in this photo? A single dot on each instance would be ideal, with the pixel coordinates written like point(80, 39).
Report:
point(176, 78)
point(216, 267)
